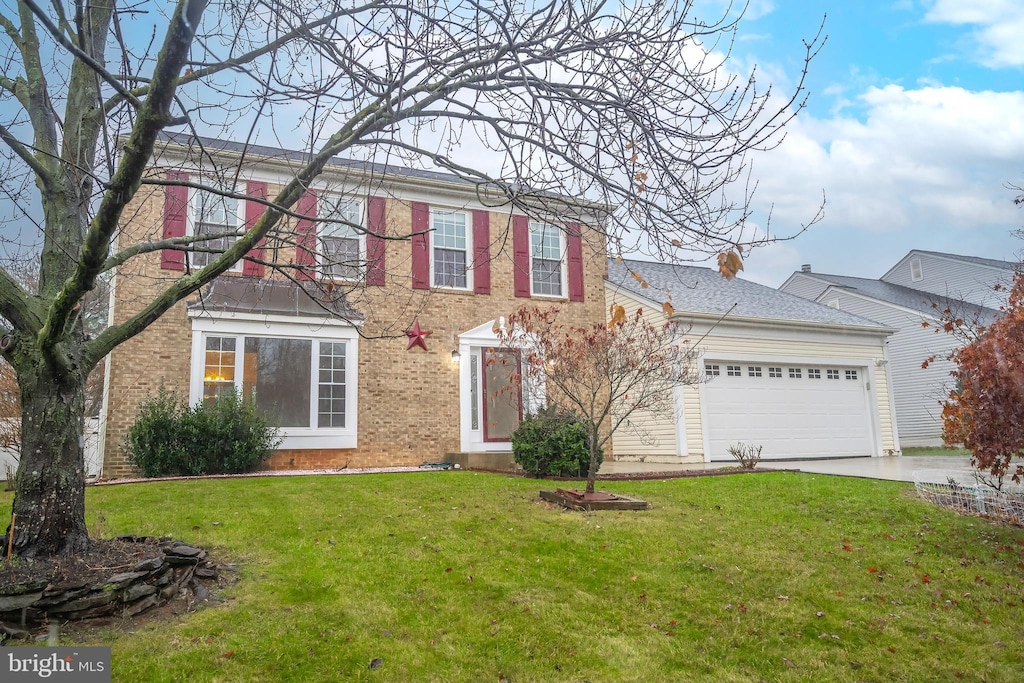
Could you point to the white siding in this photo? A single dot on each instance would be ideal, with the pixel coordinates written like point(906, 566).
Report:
point(954, 279)
point(796, 343)
point(803, 286)
point(647, 434)
point(917, 392)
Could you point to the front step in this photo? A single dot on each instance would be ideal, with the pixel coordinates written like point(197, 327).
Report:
point(493, 461)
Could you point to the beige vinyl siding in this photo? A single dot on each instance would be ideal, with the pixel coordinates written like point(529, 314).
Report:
point(647, 434)
point(917, 392)
point(954, 279)
point(742, 348)
point(804, 286)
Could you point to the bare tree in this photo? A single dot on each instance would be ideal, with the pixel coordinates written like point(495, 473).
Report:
point(604, 374)
point(630, 105)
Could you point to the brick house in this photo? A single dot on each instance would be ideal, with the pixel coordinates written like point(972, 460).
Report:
point(323, 349)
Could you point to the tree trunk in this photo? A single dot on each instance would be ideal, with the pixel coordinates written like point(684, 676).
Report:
point(49, 494)
point(592, 471)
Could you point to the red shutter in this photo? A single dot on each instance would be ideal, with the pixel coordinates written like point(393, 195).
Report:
point(375, 243)
point(521, 255)
point(574, 251)
point(420, 245)
point(305, 238)
point(253, 211)
point(481, 251)
point(175, 218)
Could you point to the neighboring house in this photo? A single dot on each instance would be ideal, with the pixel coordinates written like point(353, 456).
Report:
point(326, 355)
point(911, 298)
point(800, 379)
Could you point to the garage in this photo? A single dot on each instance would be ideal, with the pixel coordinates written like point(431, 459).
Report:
point(800, 379)
point(792, 410)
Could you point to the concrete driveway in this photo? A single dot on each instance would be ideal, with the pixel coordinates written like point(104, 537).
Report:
point(894, 468)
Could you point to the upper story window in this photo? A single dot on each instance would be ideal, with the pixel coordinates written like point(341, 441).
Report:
point(341, 237)
point(915, 269)
point(451, 244)
point(217, 216)
point(546, 254)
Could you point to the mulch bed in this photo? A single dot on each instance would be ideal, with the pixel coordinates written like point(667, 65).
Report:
point(104, 558)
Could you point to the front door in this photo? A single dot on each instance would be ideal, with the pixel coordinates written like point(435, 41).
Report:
point(502, 393)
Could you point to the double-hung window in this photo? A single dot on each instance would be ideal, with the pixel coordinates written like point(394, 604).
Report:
point(342, 241)
point(546, 256)
point(304, 383)
point(450, 249)
point(218, 217)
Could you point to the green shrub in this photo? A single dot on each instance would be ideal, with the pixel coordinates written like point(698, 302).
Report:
point(225, 436)
point(552, 444)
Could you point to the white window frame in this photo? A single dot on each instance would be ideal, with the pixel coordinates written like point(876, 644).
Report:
point(562, 260)
point(322, 226)
point(468, 223)
point(285, 327)
point(190, 224)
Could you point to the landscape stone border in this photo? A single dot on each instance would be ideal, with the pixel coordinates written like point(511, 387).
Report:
point(181, 568)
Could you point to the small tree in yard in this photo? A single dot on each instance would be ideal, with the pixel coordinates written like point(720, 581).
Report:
point(548, 108)
point(602, 374)
point(985, 410)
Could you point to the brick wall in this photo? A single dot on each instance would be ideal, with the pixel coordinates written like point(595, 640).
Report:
point(408, 400)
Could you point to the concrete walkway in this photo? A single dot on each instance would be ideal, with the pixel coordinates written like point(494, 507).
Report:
point(894, 468)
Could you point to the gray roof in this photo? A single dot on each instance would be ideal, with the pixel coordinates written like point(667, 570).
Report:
point(274, 297)
point(995, 263)
point(907, 297)
point(197, 144)
point(693, 289)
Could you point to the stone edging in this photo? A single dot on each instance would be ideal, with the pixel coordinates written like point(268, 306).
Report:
point(148, 584)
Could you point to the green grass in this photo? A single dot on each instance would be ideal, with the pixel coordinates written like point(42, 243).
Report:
point(936, 450)
point(781, 577)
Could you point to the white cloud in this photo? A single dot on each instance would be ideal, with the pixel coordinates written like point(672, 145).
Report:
point(999, 25)
point(923, 167)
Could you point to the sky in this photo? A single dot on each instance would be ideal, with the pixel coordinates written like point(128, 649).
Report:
point(913, 131)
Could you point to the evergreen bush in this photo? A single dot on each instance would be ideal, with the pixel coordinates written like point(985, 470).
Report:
point(225, 436)
point(552, 443)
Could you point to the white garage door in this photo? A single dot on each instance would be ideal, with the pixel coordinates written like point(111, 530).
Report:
point(793, 411)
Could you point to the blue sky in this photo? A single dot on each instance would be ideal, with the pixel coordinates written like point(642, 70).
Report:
point(914, 128)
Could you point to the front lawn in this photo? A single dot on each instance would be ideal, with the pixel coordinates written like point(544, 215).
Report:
point(458, 576)
point(936, 450)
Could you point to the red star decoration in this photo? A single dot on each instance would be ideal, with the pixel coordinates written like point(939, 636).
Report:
point(417, 336)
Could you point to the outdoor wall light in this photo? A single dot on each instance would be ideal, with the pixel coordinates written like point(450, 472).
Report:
point(456, 356)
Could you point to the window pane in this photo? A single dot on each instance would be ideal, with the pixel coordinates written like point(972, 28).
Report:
point(340, 257)
point(474, 392)
point(276, 375)
point(547, 277)
point(449, 229)
point(545, 242)
point(331, 396)
point(219, 369)
point(449, 268)
point(341, 209)
point(214, 215)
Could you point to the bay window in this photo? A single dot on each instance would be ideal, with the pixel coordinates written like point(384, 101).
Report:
point(302, 381)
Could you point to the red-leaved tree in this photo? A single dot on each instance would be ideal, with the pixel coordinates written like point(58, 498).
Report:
point(602, 374)
point(985, 409)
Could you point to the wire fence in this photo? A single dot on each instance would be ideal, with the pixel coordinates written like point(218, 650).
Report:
point(972, 493)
